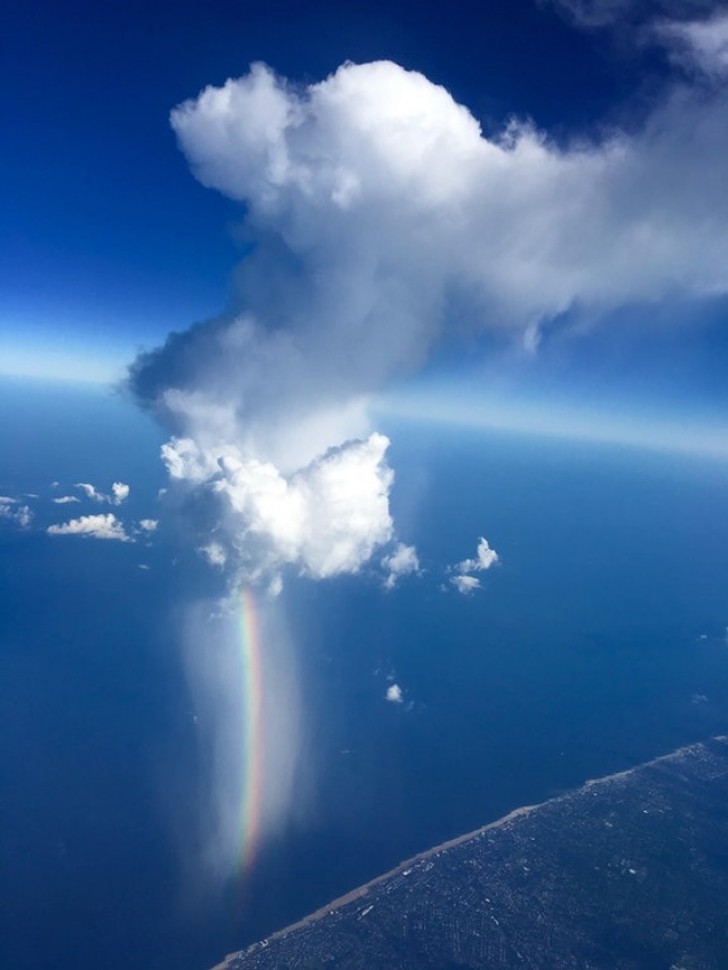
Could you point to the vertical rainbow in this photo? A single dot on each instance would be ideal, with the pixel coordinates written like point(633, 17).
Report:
point(252, 696)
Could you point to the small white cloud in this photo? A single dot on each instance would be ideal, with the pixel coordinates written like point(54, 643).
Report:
point(120, 492)
point(93, 527)
point(148, 525)
point(12, 511)
point(65, 499)
point(465, 584)
point(214, 553)
point(275, 587)
point(402, 562)
point(394, 694)
point(485, 557)
point(143, 565)
point(23, 516)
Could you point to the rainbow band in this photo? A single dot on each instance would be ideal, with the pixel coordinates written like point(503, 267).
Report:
point(252, 680)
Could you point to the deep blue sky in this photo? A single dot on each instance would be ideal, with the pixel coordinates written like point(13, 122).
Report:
point(107, 240)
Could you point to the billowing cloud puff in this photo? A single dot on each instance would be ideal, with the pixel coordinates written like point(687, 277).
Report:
point(383, 219)
point(324, 519)
point(148, 525)
point(401, 562)
point(92, 527)
point(66, 499)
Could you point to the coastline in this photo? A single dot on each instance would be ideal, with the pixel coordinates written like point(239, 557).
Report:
point(361, 891)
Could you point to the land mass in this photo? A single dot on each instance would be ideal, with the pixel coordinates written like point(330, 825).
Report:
point(629, 872)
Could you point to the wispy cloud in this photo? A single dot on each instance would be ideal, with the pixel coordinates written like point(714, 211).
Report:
point(12, 510)
point(394, 694)
point(465, 584)
point(593, 13)
point(484, 559)
point(402, 561)
point(119, 493)
point(699, 45)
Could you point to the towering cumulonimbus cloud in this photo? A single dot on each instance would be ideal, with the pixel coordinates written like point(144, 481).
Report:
point(383, 222)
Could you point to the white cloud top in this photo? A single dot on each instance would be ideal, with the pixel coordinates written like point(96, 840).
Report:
point(381, 214)
point(93, 527)
point(380, 176)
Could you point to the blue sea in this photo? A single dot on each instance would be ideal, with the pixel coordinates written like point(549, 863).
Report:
point(597, 642)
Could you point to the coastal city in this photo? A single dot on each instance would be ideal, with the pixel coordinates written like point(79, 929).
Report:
point(619, 874)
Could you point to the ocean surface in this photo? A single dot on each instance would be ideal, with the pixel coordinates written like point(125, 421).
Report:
point(598, 642)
